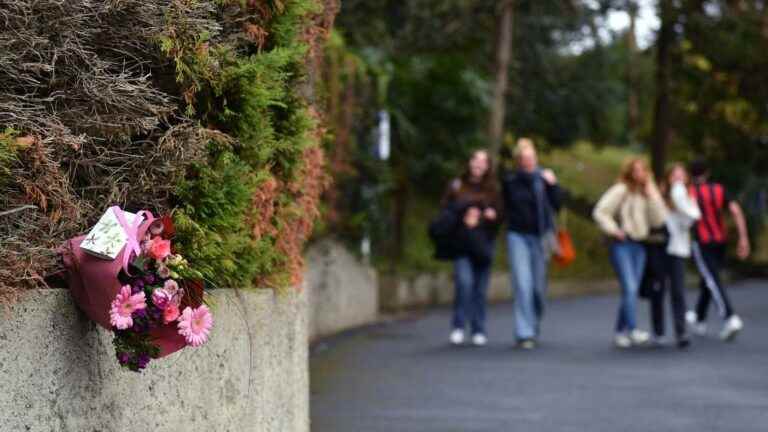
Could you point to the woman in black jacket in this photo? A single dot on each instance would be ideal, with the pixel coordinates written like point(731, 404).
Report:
point(473, 200)
point(531, 198)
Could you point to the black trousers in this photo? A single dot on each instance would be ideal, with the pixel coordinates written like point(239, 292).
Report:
point(665, 273)
point(710, 259)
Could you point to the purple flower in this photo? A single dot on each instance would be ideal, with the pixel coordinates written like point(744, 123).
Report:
point(140, 322)
point(149, 279)
point(123, 358)
point(137, 286)
point(161, 298)
point(142, 361)
point(157, 315)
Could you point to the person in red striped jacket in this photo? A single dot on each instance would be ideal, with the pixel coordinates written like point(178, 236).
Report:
point(709, 250)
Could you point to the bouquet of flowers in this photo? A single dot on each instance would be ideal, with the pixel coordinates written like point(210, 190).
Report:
point(151, 298)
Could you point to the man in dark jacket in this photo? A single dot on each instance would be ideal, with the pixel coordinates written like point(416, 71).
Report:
point(531, 198)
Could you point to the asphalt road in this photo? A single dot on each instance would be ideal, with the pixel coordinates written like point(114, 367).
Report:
point(403, 376)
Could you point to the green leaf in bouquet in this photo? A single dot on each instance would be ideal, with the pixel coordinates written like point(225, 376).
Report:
point(140, 263)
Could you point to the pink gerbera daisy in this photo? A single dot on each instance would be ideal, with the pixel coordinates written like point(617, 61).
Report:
point(195, 324)
point(124, 305)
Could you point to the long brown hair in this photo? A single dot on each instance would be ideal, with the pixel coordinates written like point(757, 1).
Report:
point(627, 170)
point(488, 182)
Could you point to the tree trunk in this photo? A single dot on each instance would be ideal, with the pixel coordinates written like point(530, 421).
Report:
point(633, 105)
point(501, 72)
point(764, 27)
point(662, 111)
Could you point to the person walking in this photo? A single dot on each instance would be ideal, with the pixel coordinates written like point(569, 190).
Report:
point(626, 213)
point(531, 198)
point(473, 201)
point(709, 248)
point(665, 270)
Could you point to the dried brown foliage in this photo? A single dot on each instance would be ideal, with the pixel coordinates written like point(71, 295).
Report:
point(81, 83)
point(316, 33)
point(92, 93)
point(263, 211)
point(299, 216)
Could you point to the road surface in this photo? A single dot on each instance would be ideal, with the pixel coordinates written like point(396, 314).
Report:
point(403, 376)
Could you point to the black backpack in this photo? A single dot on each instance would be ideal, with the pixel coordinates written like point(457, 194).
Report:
point(451, 239)
point(443, 231)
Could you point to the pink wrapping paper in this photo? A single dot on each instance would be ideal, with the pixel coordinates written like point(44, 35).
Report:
point(93, 283)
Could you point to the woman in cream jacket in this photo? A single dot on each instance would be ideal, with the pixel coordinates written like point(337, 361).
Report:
point(626, 213)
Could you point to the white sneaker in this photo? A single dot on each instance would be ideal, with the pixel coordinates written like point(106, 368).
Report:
point(697, 327)
point(659, 341)
point(732, 327)
point(691, 317)
point(621, 340)
point(457, 337)
point(639, 337)
point(479, 339)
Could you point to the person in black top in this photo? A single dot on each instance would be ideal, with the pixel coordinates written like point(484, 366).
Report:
point(531, 198)
point(472, 201)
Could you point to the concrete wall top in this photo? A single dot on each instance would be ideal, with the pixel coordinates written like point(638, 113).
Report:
point(58, 371)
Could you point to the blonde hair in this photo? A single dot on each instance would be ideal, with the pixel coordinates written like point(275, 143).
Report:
point(626, 176)
point(523, 144)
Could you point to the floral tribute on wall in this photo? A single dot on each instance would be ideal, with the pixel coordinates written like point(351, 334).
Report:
point(150, 297)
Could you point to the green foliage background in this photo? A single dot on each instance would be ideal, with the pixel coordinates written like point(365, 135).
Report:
point(569, 89)
point(250, 93)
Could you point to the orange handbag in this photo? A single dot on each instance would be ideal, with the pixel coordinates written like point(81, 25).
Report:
point(566, 253)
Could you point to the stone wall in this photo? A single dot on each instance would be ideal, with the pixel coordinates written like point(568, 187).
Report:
point(58, 372)
point(342, 292)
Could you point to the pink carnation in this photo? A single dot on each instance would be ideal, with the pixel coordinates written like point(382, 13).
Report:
point(163, 271)
point(171, 287)
point(159, 248)
point(174, 291)
point(170, 313)
point(124, 305)
point(161, 298)
point(195, 325)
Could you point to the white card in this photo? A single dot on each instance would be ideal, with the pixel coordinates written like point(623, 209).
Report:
point(107, 238)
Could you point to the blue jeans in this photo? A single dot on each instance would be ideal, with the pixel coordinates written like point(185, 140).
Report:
point(528, 266)
point(471, 287)
point(628, 260)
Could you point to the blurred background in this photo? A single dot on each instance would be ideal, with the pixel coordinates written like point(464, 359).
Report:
point(413, 87)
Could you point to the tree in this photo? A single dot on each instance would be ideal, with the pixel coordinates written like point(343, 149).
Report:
point(501, 75)
point(662, 109)
point(719, 92)
point(633, 105)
